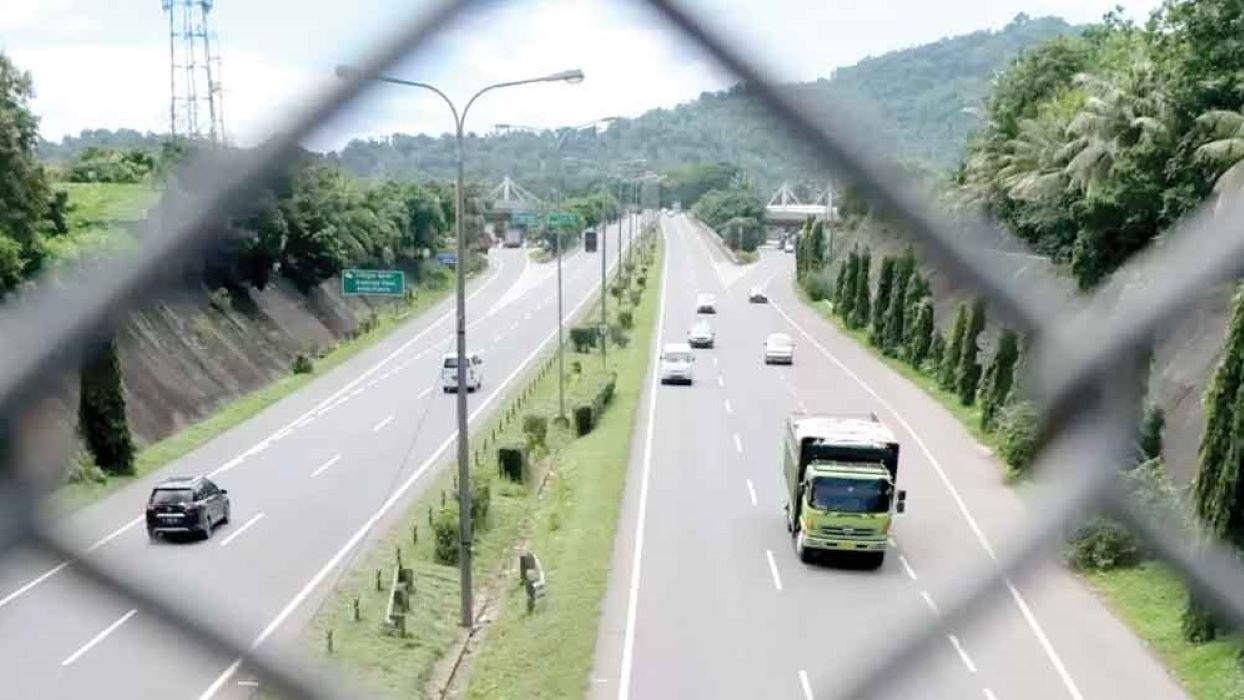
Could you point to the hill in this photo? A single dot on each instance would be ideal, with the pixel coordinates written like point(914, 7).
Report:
point(927, 94)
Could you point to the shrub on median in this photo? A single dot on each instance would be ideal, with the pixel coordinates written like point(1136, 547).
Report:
point(584, 419)
point(583, 338)
point(536, 427)
point(445, 529)
point(512, 461)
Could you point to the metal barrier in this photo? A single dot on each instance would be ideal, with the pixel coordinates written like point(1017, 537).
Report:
point(1085, 374)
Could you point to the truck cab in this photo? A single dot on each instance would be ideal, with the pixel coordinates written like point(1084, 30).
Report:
point(842, 476)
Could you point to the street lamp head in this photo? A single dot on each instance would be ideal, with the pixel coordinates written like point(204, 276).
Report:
point(345, 72)
point(569, 76)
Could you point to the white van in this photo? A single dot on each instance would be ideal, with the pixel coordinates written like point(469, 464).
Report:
point(675, 366)
point(449, 372)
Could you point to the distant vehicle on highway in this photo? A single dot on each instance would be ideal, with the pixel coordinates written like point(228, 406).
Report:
point(706, 304)
point(779, 349)
point(676, 363)
point(449, 372)
point(186, 505)
point(701, 335)
point(757, 295)
point(841, 479)
point(789, 247)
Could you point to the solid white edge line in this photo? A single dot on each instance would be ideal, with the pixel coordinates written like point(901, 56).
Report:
point(240, 530)
point(632, 602)
point(928, 599)
point(326, 465)
point(803, 683)
point(97, 638)
point(380, 426)
point(911, 573)
point(777, 580)
point(963, 654)
point(396, 496)
point(1037, 630)
point(751, 491)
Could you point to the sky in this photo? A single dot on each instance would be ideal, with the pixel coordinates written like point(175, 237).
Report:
point(104, 63)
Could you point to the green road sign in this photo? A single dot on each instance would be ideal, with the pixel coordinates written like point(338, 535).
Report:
point(373, 282)
point(562, 218)
point(527, 218)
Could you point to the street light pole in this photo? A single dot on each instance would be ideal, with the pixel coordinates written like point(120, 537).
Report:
point(464, 472)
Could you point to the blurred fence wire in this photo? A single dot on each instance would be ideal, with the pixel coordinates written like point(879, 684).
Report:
point(1086, 373)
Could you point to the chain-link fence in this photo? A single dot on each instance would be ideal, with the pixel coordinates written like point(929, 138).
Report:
point(1086, 373)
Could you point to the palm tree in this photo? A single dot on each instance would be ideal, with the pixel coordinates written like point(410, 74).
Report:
point(1116, 115)
point(1224, 151)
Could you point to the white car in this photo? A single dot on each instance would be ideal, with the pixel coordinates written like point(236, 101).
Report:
point(474, 372)
point(779, 349)
point(701, 335)
point(790, 245)
point(675, 366)
point(757, 295)
point(706, 304)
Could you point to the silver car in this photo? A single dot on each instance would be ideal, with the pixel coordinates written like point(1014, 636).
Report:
point(701, 335)
point(779, 349)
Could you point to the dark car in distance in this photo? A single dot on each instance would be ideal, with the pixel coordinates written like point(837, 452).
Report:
point(186, 505)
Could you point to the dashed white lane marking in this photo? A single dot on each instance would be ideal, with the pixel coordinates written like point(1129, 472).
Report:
point(498, 338)
point(928, 600)
point(240, 530)
point(97, 639)
point(777, 580)
point(715, 363)
point(738, 444)
point(721, 381)
point(326, 465)
point(1033, 624)
point(380, 426)
point(46, 575)
point(751, 491)
point(803, 683)
point(989, 695)
point(967, 660)
point(729, 408)
point(907, 567)
point(372, 383)
point(249, 684)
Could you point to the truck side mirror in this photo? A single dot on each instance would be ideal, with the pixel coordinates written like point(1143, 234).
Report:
point(902, 495)
point(900, 507)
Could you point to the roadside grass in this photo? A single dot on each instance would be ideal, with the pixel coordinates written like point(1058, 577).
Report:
point(98, 217)
point(1149, 598)
point(404, 666)
point(572, 532)
point(74, 495)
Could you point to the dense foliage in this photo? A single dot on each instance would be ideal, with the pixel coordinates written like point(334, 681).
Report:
point(1094, 144)
point(26, 199)
point(101, 411)
point(736, 214)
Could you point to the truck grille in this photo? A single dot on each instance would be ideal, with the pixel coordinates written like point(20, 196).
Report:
point(860, 532)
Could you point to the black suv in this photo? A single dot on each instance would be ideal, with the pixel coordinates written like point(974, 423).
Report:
point(186, 504)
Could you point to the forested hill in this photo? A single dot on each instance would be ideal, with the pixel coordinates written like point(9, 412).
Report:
point(927, 92)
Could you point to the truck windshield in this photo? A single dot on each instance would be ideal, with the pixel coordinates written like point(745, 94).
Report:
point(850, 495)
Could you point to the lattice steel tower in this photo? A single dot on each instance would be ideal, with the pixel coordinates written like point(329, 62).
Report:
point(196, 108)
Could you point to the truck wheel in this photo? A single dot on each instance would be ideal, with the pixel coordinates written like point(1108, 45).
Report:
point(801, 549)
point(875, 560)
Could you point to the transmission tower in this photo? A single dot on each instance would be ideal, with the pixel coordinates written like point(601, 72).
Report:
point(196, 108)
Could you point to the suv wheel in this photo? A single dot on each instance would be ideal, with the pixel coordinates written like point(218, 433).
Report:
point(152, 535)
point(207, 524)
point(225, 518)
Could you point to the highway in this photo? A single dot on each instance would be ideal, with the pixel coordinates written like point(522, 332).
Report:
point(706, 597)
point(307, 477)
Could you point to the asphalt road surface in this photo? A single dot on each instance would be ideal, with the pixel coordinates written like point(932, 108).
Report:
point(306, 478)
point(707, 598)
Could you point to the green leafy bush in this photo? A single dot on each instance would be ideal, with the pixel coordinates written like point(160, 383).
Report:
point(1102, 544)
point(512, 461)
point(101, 411)
point(635, 297)
point(302, 364)
point(583, 338)
point(481, 501)
point(1017, 434)
point(618, 335)
point(536, 427)
point(445, 531)
point(626, 319)
point(584, 419)
point(818, 285)
point(84, 470)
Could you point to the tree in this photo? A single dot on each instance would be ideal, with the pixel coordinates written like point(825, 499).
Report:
point(948, 373)
point(917, 290)
point(840, 284)
point(937, 348)
point(24, 190)
point(894, 323)
point(969, 372)
point(1224, 151)
point(101, 411)
point(999, 377)
point(885, 282)
point(860, 309)
point(1151, 428)
point(846, 298)
point(1214, 489)
point(920, 334)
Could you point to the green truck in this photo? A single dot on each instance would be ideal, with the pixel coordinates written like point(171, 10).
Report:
point(841, 480)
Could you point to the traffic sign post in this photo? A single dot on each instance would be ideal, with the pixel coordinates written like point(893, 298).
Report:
point(447, 259)
point(562, 218)
point(390, 283)
point(525, 218)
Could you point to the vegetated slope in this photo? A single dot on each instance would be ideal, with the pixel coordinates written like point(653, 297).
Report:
point(925, 93)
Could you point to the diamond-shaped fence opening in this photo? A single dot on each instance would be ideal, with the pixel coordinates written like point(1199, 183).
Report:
point(1085, 373)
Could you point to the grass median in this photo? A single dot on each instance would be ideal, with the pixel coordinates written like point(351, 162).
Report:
point(1149, 598)
point(569, 525)
point(74, 495)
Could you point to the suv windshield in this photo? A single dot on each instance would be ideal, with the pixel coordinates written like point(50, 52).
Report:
point(677, 357)
point(164, 497)
point(850, 495)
